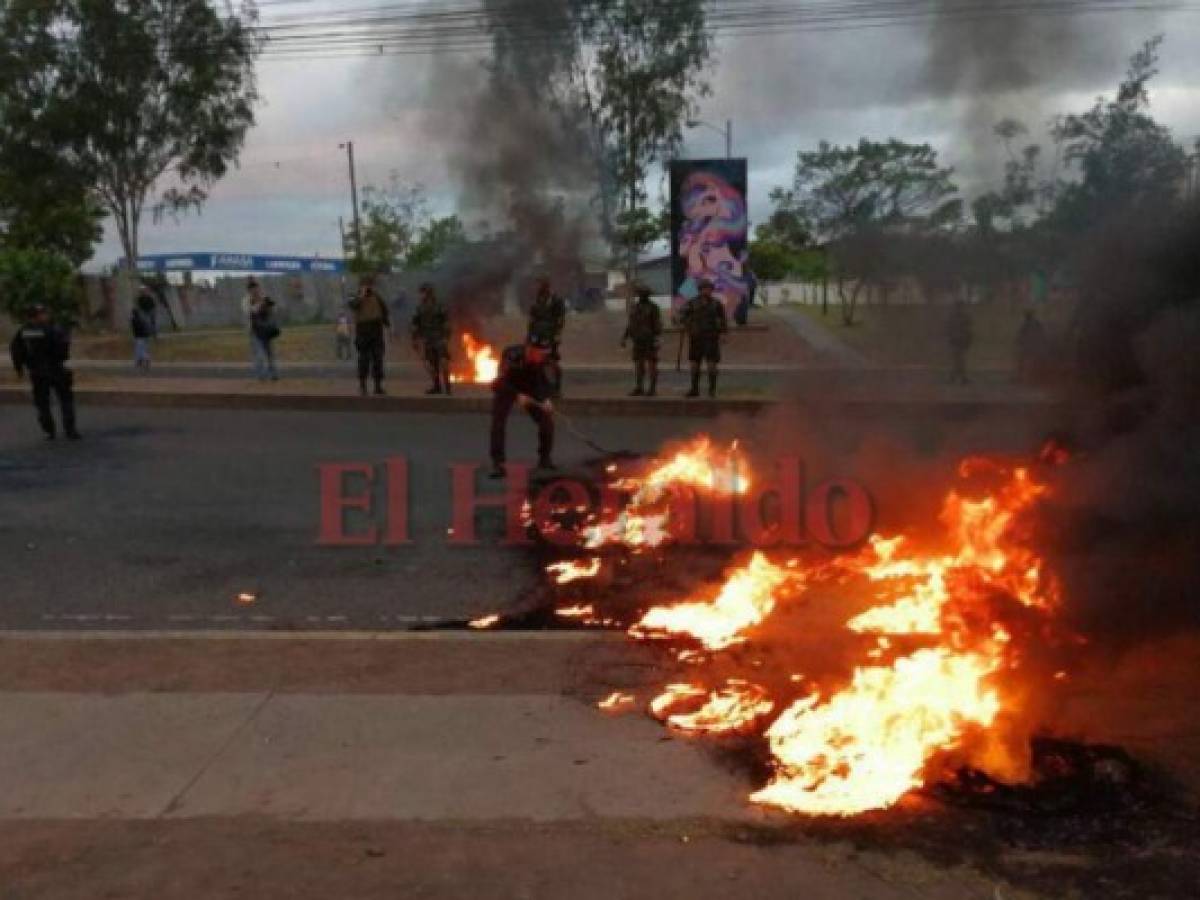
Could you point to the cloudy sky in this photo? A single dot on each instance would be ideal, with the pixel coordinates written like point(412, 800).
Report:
point(783, 92)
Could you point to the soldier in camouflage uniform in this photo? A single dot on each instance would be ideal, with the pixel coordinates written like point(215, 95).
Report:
point(703, 318)
point(431, 338)
point(644, 329)
point(547, 317)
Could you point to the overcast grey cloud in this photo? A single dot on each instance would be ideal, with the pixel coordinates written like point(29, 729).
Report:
point(943, 84)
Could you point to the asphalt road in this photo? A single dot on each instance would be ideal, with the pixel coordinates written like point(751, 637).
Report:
point(160, 518)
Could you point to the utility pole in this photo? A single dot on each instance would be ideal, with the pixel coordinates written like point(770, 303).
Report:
point(349, 148)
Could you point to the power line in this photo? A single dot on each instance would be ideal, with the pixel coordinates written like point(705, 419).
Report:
point(466, 27)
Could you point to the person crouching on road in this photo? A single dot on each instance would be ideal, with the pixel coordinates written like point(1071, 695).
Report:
point(644, 329)
point(431, 338)
point(265, 330)
point(42, 348)
point(524, 380)
point(141, 325)
point(371, 322)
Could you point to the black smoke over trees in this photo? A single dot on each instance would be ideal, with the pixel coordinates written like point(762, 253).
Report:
point(1125, 526)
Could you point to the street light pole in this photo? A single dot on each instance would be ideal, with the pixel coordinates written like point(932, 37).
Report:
point(727, 131)
point(349, 148)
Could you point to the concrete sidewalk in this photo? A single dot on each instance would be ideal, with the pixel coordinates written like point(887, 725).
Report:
point(126, 789)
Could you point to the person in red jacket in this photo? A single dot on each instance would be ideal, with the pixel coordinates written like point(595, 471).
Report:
point(524, 380)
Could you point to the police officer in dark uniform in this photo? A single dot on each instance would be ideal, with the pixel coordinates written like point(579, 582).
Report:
point(371, 322)
point(644, 329)
point(523, 380)
point(547, 318)
point(42, 348)
point(431, 337)
point(703, 318)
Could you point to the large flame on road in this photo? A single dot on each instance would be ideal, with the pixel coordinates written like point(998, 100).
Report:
point(644, 522)
point(942, 630)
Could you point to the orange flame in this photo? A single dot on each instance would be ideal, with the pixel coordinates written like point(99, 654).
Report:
point(744, 601)
point(938, 680)
point(644, 522)
point(485, 364)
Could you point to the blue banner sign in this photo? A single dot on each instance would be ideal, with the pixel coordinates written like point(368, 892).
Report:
point(239, 262)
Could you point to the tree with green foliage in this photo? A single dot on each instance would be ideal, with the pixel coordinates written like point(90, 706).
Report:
point(1124, 159)
point(140, 94)
point(391, 217)
point(46, 202)
point(435, 239)
point(778, 248)
point(855, 197)
point(642, 70)
point(29, 277)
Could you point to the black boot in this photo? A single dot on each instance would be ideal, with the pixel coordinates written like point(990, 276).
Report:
point(546, 463)
point(695, 391)
point(497, 471)
point(436, 389)
point(362, 387)
point(712, 384)
point(379, 391)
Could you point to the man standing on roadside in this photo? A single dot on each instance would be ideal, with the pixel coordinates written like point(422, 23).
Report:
point(644, 329)
point(703, 318)
point(250, 304)
point(371, 322)
point(547, 318)
point(431, 338)
point(42, 348)
point(142, 327)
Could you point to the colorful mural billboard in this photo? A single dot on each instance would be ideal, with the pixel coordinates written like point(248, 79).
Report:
point(709, 229)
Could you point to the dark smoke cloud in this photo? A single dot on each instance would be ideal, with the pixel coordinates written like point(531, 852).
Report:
point(518, 153)
point(1014, 66)
point(1127, 537)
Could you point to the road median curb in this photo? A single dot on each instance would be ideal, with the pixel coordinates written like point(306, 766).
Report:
point(585, 406)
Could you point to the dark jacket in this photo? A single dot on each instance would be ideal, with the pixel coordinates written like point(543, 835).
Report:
point(548, 316)
point(645, 324)
point(141, 324)
point(522, 377)
point(703, 320)
point(40, 350)
point(431, 324)
point(263, 324)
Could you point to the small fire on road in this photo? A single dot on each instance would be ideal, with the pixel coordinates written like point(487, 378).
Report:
point(483, 364)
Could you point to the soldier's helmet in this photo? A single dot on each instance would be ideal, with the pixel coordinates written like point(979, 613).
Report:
point(706, 283)
point(643, 292)
point(37, 310)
